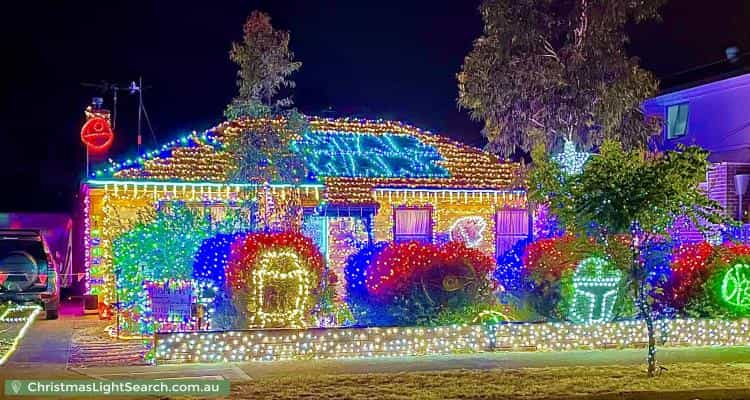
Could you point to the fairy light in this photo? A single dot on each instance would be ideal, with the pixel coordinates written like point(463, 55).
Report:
point(278, 267)
point(273, 345)
point(595, 289)
point(468, 230)
point(372, 159)
point(280, 272)
point(358, 154)
point(27, 321)
point(87, 239)
point(570, 160)
point(404, 156)
point(735, 288)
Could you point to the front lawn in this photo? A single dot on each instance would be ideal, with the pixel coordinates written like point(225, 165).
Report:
point(530, 383)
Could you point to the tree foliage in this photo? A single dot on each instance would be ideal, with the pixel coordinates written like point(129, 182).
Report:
point(265, 65)
point(264, 153)
point(629, 192)
point(620, 190)
point(550, 69)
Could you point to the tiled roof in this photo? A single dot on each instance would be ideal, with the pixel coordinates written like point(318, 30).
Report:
point(350, 156)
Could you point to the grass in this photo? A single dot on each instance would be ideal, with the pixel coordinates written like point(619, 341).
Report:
point(522, 384)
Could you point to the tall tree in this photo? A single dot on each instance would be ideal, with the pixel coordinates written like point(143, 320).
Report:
point(632, 193)
point(265, 65)
point(546, 70)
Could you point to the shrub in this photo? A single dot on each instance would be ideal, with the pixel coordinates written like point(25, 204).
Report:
point(552, 266)
point(281, 275)
point(415, 283)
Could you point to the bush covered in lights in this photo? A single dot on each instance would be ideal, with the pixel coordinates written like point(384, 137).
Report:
point(161, 246)
point(279, 277)
point(715, 282)
point(414, 283)
point(576, 279)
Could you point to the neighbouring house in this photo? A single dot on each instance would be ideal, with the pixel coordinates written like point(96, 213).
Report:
point(716, 117)
point(368, 181)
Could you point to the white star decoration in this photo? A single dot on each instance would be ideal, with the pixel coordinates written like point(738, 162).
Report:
point(570, 160)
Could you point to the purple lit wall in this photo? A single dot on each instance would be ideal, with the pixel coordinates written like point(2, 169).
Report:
point(718, 118)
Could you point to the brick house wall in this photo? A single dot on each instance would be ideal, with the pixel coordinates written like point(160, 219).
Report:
point(721, 186)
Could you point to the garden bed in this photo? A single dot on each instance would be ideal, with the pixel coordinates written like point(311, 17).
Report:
point(293, 344)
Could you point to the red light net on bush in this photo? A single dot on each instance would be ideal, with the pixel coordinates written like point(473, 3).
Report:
point(399, 265)
point(690, 269)
point(247, 250)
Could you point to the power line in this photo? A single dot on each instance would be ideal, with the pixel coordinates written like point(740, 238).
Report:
point(702, 66)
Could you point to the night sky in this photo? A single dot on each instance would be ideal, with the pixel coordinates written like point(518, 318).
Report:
point(384, 58)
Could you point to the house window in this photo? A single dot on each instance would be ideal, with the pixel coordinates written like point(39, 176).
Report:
point(677, 119)
point(511, 226)
point(412, 223)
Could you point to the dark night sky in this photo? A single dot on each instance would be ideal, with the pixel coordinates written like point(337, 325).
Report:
point(384, 58)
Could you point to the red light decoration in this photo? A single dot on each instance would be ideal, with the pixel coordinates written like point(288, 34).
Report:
point(690, 269)
point(247, 249)
point(398, 265)
point(97, 135)
point(552, 257)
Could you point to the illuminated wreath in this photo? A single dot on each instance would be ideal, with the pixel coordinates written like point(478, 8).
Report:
point(280, 273)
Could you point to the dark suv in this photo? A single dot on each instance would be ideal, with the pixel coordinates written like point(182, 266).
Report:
point(28, 273)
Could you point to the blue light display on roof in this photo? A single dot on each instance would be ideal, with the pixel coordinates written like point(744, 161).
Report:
point(356, 155)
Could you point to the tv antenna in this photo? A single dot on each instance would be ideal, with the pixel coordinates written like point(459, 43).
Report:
point(132, 88)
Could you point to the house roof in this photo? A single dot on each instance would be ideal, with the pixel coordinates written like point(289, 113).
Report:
point(351, 157)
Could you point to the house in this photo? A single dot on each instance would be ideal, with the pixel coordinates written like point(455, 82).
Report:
point(716, 117)
point(368, 181)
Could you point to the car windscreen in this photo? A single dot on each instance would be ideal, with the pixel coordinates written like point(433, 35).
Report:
point(21, 262)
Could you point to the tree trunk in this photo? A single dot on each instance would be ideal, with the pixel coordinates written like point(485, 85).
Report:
point(642, 296)
point(648, 317)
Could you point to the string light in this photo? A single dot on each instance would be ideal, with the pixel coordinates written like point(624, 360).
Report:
point(468, 230)
point(735, 288)
point(570, 160)
point(281, 272)
point(273, 345)
point(595, 289)
point(397, 147)
point(358, 154)
point(31, 313)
